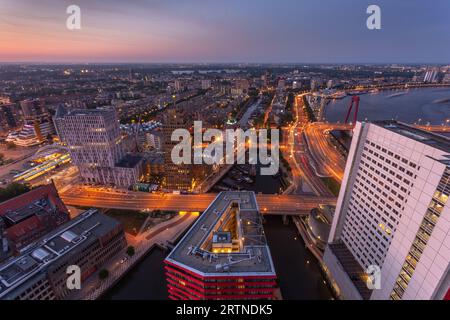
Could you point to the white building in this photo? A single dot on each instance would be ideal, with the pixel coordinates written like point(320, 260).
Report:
point(179, 85)
point(330, 84)
point(154, 140)
point(34, 133)
point(96, 147)
point(430, 75)
point(206, 84)
point(393, 212)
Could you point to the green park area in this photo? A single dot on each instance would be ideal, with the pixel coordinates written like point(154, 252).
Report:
point(132, 221)
point(332, 185)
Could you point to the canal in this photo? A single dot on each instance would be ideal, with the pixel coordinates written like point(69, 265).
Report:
point(298, 272)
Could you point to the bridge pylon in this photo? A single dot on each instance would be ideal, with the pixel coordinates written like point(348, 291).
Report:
point(355, 99)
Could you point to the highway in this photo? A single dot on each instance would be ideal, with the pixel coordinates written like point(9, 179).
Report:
point(328, 161)
point(130, 200)
point(299, 155)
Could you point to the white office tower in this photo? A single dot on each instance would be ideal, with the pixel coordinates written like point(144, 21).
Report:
point(95, 144)
point(392, 212)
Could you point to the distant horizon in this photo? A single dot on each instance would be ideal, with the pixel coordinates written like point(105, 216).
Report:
point(222, 63)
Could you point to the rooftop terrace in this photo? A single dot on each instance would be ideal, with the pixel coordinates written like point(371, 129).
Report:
point(38, 256)
point(232, 211)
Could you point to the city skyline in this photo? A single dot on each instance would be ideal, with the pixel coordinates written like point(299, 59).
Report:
point(205, 32)
point(224, 150)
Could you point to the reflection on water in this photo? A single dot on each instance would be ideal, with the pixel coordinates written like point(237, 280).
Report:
point(297, 278)
point(428, 104)
point(146, 281)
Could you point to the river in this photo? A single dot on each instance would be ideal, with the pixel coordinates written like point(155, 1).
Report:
point(428, 104)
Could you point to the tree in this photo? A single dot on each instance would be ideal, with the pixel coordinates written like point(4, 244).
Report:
point(103, 274)
point(2, 158)
point(131, 251)
point(10, 145)
point(13, 190)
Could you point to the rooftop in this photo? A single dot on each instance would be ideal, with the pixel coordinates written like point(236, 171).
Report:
point(44, 198)
point(432, 139)
point(61, 111)
point(234, 212)
point(38, 256)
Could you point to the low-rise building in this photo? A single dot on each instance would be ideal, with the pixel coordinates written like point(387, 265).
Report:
point(29, 216)
point(40, 272)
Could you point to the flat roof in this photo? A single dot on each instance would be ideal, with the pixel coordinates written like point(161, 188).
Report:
point(429, 138)
point(37, 257)
point(27, 211)
point(253, 257)
point(62, 111)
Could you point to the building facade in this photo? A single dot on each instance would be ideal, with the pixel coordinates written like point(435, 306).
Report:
point(37, 123)
point(29, 216)
point(96, 147)
point(392, 215)
point(8, 117)
point(177, 176)
point(40, 273)
point(224, 255)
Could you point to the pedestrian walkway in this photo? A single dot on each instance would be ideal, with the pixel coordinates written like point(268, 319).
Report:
point(159, 235)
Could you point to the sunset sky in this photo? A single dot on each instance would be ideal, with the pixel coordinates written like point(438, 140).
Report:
point(306, 31)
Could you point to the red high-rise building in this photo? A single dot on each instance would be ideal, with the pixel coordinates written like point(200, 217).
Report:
point(224, 255)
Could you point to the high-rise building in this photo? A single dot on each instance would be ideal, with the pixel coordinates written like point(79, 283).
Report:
point(37, 126)
point(313, 85)
point(40, 271)
point(392, 215)
point(177, 176)
point(281, 84)
point(8, 116)
point(224, 255)
point(95, 144)
point(34, 132)
point(33, 108)
point(329, 84)
point(206, 84)
point(179, 85)
point(431, 75)
point(154, 140)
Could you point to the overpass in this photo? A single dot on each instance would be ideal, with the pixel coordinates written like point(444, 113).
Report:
point(129, 200)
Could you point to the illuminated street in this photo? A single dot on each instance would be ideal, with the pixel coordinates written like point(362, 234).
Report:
point(327, 159)
point(269, 204)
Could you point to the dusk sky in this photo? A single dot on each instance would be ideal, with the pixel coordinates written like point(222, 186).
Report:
point(306, 31)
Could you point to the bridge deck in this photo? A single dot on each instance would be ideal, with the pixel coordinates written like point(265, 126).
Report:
point(268, 204)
